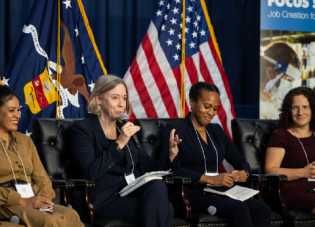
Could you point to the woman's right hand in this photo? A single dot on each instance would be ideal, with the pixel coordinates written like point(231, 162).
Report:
point(126, 132)
point(36, 202)
point(223, 179)
point(309, 171)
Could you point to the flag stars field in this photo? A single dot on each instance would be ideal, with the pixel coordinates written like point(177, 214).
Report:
point(91, 85)
point(5, 81)
point(171, 31)
point(159, 13)
point(28, 133)
point(82, 59)
point(67, 3)
point(76, 31)
point(169, 42)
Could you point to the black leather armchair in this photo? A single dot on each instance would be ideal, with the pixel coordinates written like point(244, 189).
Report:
point(51, 138)
point(250, 137)
point(150, 138)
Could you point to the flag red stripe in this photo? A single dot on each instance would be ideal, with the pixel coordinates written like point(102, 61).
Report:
point(158, 77)
point(223, 75)
point(207, 77)
point(144, 96)
point(191, 70)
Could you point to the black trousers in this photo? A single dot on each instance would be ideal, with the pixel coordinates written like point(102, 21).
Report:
point(250, 213)
point(149, 204)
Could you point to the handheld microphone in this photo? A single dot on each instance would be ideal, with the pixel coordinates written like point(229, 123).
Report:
point(124, 118)
point(211, 210)
point(14, 219)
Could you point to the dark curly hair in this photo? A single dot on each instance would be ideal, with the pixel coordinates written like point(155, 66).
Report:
point(197, 88)
point(285, 118)
point(5, 95)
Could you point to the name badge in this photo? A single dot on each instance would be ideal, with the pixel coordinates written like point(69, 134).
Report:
point(25, 190)
point(211, 174)
point(129, 178)
point(311, 179)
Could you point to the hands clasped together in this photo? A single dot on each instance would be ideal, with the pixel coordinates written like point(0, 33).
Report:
point(227, 179)
point(130, 129)
point(36, 202)
point(309, 171)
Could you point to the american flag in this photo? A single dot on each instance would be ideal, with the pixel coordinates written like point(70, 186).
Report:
point(154, 77)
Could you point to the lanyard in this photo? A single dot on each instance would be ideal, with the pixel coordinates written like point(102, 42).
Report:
point(10, 160)
point(302, 146)
point(133, 165)
point(203, 150)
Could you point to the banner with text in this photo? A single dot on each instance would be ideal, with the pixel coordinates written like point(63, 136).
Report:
point(287, 51)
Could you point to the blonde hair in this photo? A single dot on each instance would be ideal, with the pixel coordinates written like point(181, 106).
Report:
point(104, 84)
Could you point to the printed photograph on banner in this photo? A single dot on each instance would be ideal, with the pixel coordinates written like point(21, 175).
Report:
point(287, 52)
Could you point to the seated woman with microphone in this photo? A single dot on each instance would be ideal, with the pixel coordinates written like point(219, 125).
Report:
point(291, 149)
point(103, 152)
point(203, 148)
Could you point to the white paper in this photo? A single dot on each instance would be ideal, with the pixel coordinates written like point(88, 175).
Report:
point(237, 192)
point(47, 210)
point(311, 179)
point(142, 180)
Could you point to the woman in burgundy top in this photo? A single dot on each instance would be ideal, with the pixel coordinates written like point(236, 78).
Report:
point(291, 149)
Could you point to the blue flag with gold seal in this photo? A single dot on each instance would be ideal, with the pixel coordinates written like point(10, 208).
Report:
point(32, 69)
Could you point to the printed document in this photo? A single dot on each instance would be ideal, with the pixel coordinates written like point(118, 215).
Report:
point(237, 192)
point(157, 175)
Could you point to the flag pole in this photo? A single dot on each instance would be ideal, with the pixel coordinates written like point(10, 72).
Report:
point(58, 114)
point(183, 65)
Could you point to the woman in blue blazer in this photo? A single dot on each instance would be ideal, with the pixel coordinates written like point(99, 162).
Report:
point(203, 148)
point(103, 152)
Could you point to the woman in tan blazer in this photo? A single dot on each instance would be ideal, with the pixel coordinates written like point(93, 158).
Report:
point(20, 161)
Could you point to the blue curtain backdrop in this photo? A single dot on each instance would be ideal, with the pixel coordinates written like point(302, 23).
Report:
point(120, 25)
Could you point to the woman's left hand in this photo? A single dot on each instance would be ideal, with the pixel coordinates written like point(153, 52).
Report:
point(239, 176)
point(174, 141)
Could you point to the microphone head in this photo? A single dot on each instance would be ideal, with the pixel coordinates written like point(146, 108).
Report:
point(211, 210)
point(15, 219)
point(123, 117)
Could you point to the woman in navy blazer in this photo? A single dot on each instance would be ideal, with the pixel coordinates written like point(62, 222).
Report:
point(103, 152)
point(203, 148)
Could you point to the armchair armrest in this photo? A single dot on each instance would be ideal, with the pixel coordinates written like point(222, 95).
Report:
point(177, 180)
point(168, 180)
point(62, 184)
point(275, 179)
point(83, 183)
point(88, 208)
point(181, 180)
point(267, 178)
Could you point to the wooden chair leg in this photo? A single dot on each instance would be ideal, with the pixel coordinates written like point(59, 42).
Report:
point(185, 200)
point(88, 206)
point(65, 198)
point(282, 199)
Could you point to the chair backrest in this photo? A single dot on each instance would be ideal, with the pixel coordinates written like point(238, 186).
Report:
point(250, 137)
point(151, 132)
point(51, 137)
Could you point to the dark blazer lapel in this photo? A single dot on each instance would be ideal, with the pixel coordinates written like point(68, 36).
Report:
point(99, 133)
